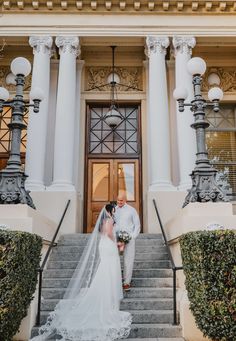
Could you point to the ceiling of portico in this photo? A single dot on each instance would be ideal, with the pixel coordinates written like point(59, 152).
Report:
point(130, 50)
point(217, 51)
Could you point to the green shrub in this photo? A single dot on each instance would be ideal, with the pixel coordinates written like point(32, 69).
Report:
point(19, 261)
point(209, 262)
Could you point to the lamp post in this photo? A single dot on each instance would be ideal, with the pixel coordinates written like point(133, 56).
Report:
point(204, 184)
point(12, 178)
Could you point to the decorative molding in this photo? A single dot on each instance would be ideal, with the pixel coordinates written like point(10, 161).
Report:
point(150, 6)
point(227, 79)
point(4, 71)
point(35, 4)
point(183, 44)
point(68, 45)
point(129, 77)
point(41, 44)
point(155, 44)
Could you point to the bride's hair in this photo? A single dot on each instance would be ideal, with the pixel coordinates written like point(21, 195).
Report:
point(110, 209)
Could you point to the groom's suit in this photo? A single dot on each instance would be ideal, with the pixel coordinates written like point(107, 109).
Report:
point(127, 219)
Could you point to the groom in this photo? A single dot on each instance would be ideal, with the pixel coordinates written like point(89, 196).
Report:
point(127, 219)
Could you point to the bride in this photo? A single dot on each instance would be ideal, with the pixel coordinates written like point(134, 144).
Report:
point(89, 309)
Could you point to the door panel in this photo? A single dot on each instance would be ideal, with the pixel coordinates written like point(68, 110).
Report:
point(105, 179)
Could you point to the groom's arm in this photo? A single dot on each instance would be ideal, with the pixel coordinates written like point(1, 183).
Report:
point(136, 222)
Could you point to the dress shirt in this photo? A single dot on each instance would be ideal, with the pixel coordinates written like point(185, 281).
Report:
point(127, 219)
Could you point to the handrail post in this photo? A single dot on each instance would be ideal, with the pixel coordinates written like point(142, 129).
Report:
point(174, 297)
point(173, 267)
point(40, 270)
point(39, 297)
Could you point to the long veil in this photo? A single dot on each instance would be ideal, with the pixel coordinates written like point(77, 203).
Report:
point(78, 285)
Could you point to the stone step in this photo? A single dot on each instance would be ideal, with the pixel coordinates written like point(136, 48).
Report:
point(136, 282)
point(154, 330)
point(138, 248)
point(137, 304)
point(83, 242)
point(79, 249)
point(137, 264)
point(146, 273)
point(144, 256)
point(144, 305)
point(152, 316)
point(86, 236)
point(139, 317)
point(58, 293)
point(143, 331)
point(158, 339)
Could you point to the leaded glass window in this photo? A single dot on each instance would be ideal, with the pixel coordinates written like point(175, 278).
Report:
point(5, 135)
point(221, 140)
point(124, 139)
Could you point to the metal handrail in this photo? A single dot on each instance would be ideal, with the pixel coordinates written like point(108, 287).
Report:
point(173, 266)
point(40, 270)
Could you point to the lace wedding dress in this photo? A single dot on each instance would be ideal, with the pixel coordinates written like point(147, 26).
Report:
point(90, 308)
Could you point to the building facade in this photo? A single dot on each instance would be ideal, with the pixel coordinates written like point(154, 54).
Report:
point(69, 150)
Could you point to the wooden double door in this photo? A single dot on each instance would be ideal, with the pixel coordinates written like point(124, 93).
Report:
point(106, 177)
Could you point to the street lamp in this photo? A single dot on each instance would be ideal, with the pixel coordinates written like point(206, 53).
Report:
point(12, 178)
point(204, 184)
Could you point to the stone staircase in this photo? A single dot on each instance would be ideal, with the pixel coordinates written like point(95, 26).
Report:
point(150, 299)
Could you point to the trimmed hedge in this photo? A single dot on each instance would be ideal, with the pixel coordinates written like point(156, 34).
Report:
point(209, 262)
point(19, 261)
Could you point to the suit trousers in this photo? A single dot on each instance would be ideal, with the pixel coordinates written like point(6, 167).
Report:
point(129, 254)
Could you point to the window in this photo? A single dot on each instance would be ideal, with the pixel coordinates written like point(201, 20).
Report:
point(221, 140)
point(121, 140)
point(5, 136)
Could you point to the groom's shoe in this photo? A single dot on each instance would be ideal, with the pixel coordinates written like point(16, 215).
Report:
point(126, 287)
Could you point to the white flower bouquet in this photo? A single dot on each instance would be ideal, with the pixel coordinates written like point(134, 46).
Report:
point(123, 238)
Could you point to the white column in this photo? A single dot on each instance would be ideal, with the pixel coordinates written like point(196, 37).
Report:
point(158, 115)
point(186, 135)
point(79, 134)
point(37, 127)
point(65, 114)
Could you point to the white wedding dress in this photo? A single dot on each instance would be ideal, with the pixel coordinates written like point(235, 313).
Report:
point(94, 313)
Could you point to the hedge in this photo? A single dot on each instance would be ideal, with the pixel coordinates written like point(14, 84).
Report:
point(19, 261)
point(209, 263)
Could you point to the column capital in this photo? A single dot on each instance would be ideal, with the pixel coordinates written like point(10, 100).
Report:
point(183, 44)
point(41, 44)
point(68, 44)
point(156, 44)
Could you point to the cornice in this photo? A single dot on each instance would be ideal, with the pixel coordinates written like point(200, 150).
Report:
point(150, 6)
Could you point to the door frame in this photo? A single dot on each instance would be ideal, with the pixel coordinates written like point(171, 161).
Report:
point(104, 157)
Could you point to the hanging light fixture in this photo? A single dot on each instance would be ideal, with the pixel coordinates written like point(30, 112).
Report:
point(113, 116)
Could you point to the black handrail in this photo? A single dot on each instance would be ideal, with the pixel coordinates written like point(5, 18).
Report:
point(174, 268)
point(40, 270)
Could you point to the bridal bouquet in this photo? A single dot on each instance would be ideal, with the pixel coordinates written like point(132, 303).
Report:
point(123, 238)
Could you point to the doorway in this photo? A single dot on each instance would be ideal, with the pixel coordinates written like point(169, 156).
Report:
point(106, 179)
point(113, 161)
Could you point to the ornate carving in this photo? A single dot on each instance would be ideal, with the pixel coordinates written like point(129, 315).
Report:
point(155, 44)
point(4, 71)
point(205, 187)
point(222, 179)
point(227, 79)
point(12, 188)
point(41, 44)
point(68, 44)
point(183, 44)
point(130, 77)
